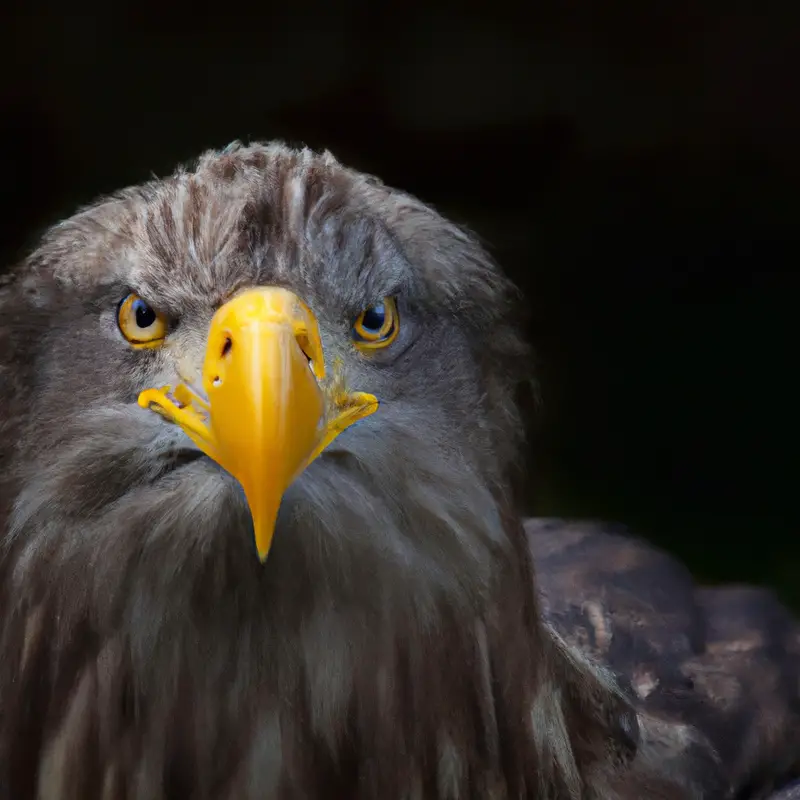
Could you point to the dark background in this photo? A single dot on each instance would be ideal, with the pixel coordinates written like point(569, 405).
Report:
point(634, 165)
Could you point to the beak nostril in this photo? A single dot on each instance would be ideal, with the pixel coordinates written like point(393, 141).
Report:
point(305, 346)
point(216, 381)
point(226, 347)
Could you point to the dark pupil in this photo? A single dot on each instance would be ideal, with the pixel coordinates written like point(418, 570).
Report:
point(374, 317)
point(145, 316)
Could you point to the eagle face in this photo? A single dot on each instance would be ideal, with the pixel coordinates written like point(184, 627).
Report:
point(121, 300)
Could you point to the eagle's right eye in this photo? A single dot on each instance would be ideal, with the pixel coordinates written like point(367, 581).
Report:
point(139, 323)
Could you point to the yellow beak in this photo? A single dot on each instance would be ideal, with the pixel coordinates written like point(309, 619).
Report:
point(265, 415)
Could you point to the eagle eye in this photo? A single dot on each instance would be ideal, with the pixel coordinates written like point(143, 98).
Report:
point(377, 325)
point(139, 323)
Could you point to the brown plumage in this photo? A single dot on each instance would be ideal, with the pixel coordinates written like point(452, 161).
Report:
point(725, 661)
point(393, 644)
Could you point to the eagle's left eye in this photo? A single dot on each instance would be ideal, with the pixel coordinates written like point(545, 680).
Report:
point(139, 323)
point(377, 326)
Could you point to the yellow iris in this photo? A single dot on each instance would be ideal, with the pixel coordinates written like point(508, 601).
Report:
point(377, 326)
point(140, 324)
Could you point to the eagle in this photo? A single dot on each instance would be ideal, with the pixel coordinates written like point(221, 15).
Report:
point(259, 537)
